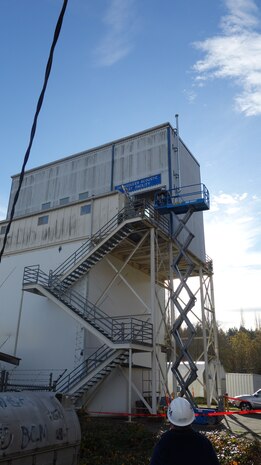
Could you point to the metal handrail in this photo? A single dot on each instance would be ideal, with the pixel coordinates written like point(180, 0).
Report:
point(34, 275)
point(83, 369)
point(184, 194)
point(187, 194)
point(117, 329)
point(139, 209)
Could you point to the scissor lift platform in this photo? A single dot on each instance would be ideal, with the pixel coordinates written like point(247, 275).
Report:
point(181, 199)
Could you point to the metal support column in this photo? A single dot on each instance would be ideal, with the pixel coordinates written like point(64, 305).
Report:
point(172, 317)
point(205, 339)
point(18, 322)
point(154, 321)
point(129, 384)
point(216, 348)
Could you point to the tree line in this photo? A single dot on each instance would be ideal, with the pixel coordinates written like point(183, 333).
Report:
point(239, 349)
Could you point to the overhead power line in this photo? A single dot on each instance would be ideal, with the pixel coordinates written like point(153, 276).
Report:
point(33, 129)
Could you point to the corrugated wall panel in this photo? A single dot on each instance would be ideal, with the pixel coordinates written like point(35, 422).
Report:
point(240, 383)
point(141, 157)
point(72, 222)
point(88, 174)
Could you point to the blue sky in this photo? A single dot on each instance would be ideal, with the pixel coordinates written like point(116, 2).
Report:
point(122, 66)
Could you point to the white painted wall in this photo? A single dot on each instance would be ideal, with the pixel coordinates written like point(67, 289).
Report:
point(47, 336)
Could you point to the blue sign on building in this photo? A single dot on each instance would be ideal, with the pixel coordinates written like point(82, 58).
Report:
point(139, 184)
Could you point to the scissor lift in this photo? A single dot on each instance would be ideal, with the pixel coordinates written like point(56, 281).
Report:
point(184, 200)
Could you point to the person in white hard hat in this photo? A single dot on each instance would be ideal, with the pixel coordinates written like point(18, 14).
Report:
point(181, 444)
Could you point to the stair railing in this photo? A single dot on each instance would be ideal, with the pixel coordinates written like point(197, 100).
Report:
point(117, 329)
point(139, 209)
point(86, 367)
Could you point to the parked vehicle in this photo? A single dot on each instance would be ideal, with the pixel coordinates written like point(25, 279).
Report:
point(248, 401)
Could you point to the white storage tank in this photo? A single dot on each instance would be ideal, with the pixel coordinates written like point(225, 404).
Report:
point(36, 428)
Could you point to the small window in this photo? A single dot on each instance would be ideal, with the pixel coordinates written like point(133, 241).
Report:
point(83, 195)
point(85, 209)
point(43, 220)
point(46, 205)
point(64, 201)
point(3, 230)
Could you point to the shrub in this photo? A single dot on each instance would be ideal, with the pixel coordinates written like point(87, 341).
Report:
point(233, 450)
point(107, 441)
point(115, 442)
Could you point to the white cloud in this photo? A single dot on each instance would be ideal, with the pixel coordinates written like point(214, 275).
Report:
point(235, 54)
point(232, 232)
point(190, 95)
point(119, 19)
point(225, 199)
point(242, 15)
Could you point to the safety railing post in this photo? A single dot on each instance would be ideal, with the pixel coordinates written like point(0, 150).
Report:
point(37, 273)
point(122, 334)
point(50, 382)
point(50, 279)
point(3, 380)
point(142, 331)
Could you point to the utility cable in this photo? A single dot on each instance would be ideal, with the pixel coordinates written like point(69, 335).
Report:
point(33, 129)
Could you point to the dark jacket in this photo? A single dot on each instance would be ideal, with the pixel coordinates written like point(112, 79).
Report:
point(184, 446)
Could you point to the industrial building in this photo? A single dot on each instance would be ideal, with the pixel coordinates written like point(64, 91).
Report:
point(104, 262)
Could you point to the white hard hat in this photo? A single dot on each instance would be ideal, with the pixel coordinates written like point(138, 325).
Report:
point(180, 412)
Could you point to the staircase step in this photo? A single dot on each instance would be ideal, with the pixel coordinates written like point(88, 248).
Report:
point(106, 370)
point(99, 255)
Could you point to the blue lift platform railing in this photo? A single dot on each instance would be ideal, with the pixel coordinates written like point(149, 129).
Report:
point(181, 199)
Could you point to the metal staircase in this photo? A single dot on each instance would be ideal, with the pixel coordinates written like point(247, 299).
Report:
point(121, 333)
point(92, 371)
point(115, 330)
point(94, 249)
point(120, 227)
point(80, 262)
point(116, 333)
